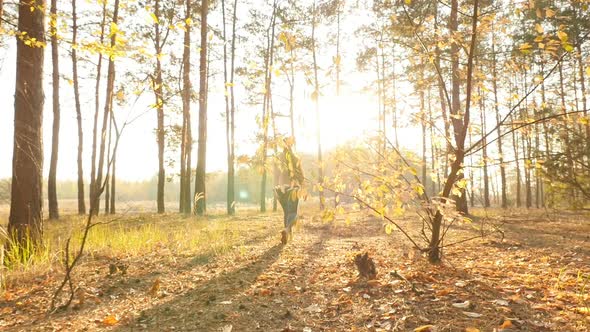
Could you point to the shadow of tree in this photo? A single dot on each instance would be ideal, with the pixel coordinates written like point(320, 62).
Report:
point(173, 314)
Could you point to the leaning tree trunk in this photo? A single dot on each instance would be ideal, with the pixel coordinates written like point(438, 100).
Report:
point(200, 188)
point(25, 223)
point(81, 202)
point(51, 180)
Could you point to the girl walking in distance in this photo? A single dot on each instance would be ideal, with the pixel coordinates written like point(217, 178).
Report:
point(289, 187)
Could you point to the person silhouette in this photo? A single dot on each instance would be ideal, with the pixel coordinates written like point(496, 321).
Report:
point(289, 186)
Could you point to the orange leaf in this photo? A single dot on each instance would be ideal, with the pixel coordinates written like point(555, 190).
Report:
point(506, 325)
point(424, 328)
point(471, 329)
point(110, 320)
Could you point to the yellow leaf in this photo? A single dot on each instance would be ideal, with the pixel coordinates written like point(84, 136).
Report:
point(154, 18)
point(424, 328)
point(583, 310)
point(562, 36)
point(539, 28)
point(32, 9)
point(525, 46)
point(389, 228)
point(110, 320)
point(549, 12)
point(189, 21)
point(408, 2)
point(471, 329)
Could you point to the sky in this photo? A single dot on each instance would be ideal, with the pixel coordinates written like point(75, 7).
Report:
point(344, 118)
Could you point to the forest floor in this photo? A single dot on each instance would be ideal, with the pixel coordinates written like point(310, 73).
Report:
point(172, 274)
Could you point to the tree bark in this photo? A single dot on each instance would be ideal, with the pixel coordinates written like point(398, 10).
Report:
point(51, 180)
point(200, 185)
point(25, 222)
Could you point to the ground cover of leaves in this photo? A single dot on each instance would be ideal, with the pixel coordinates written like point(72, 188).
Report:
point(534, 278)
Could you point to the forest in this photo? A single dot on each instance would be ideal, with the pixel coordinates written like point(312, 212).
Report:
point(284, 165)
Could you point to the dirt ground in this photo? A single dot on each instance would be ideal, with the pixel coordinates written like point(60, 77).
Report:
point(536, 277)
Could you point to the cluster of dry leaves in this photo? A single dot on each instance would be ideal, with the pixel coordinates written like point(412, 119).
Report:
point(536, 279)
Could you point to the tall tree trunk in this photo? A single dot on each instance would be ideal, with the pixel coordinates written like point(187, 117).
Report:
point(200, 188)
point(317, 108)
point(107, 111)
point(230, 199)
point(81, 202)
point(158, 89)
point(231, 170)
point(186, 142)
point(94, 207)
point(25, 222)
point(51, 181)
point(266, 105)
point(504, 199)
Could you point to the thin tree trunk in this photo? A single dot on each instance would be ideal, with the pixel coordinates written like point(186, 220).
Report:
point(231, 171)
point(107, 109)
point(25, 222)
point(200, 188)
point(317, 108)
point(266, 106)
point(95, 206)
point(504, 199)
point(107, 191)
point(158, 91)
point(81, 202)
point(460, 127)
point(486, 179)
point(51, 181)
point(186, 142)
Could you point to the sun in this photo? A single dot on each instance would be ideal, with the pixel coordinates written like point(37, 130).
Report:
point(344, 118)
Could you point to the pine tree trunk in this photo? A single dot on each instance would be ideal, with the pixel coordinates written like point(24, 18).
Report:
point(94, 206)
point(504, 198)
point(51, 180)
point(25, 222)
point(186, 142)
point(231, 190)
point(81, 202)
point(317, 108)
point(200, 188)
point(158, 88)
point(107, 112)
